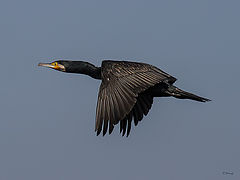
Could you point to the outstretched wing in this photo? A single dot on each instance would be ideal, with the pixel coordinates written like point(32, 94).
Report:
point(122, 82)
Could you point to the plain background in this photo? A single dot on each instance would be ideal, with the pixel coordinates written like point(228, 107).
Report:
point(47, 117)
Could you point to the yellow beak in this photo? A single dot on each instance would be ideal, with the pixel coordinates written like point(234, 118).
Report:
point(55, 66)
point(46, 65)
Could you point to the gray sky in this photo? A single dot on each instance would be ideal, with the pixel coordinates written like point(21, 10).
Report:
point(47, 117)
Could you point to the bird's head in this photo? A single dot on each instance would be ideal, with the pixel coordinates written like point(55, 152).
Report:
point(79, 67)
point(57, 65)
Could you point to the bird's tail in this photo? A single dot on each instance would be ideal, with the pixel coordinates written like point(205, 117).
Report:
point(178, 93)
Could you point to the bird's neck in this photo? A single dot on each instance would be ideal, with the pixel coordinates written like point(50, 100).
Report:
point(89, 69)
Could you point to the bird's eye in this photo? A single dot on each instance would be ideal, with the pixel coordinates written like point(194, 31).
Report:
point(54, 63)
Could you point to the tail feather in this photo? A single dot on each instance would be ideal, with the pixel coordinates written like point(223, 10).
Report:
point(180, 94)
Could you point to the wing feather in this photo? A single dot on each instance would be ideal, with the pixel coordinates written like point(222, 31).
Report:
point(129, 123)
point(106, 113)
point(124, 126)
point(100, 110)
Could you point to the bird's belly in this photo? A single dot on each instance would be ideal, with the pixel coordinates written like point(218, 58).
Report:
point(159, 90)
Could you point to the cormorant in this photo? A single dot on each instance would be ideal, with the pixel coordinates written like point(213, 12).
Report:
point(126, 92)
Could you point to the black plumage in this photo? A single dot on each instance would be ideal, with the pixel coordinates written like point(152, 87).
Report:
point(126, 92)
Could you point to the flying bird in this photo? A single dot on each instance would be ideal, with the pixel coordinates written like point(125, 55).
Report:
point(126, 92)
